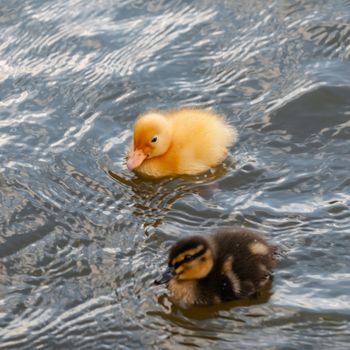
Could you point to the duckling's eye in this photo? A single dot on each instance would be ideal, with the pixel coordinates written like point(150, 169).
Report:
point(154, 140)
point(188, 258)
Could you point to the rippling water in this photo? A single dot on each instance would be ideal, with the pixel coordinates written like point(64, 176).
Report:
point(82, 239)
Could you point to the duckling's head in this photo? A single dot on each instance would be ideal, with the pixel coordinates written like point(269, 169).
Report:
point(189, 259)
point(152, 138)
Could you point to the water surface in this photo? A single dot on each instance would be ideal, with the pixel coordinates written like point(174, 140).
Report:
point(82, 239)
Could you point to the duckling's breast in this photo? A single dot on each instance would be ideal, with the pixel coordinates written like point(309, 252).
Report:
point(184, 291)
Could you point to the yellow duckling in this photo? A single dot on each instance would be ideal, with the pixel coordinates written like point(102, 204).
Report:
point(228, 265)
point(183, 141)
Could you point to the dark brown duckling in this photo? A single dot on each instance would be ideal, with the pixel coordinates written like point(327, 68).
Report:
point(227, 265)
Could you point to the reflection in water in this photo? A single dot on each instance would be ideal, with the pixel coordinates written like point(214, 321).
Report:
point(152, 199)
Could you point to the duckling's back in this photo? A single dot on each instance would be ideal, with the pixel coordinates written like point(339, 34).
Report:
point(244, 262)
point(202, 139)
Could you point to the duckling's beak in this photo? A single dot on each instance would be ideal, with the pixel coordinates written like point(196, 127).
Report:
point(167, 276)
point(136, 159)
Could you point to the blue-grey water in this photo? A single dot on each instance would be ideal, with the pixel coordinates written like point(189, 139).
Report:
point(82, 239)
